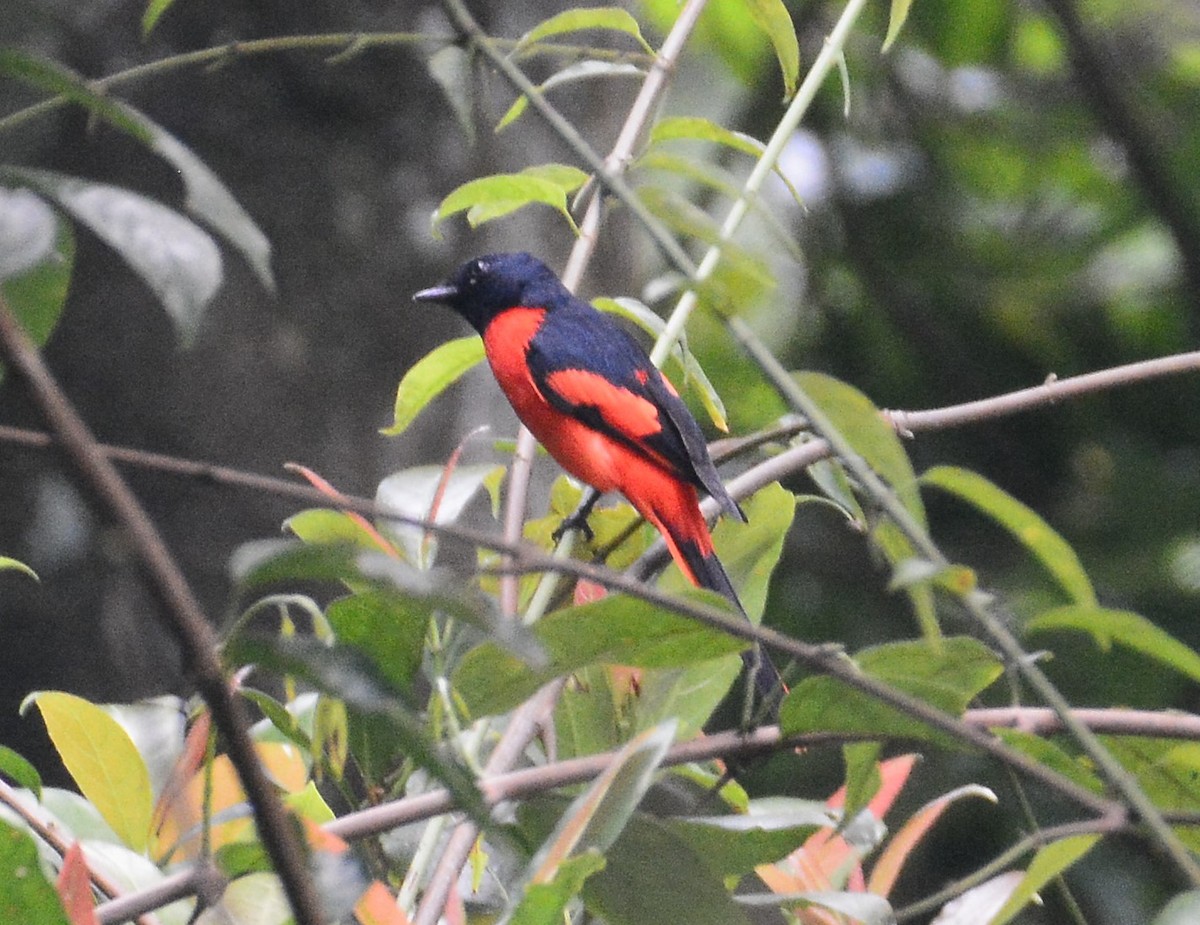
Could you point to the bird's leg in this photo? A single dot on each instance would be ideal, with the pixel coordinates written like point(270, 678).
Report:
point(577, 520)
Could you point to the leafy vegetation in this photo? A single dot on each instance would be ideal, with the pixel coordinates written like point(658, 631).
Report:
point(405, 704)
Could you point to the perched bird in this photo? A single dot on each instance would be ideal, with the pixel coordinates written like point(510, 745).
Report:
point(589, 393)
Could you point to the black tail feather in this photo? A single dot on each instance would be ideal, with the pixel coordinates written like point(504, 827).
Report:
point(710, 573)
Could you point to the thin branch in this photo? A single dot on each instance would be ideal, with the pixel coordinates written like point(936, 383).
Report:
point(1007, 859)
point(51, 835)
point(345, 45)
point(1048, 393)
point(728, 744)
point(1112, 770)
point(524, 724)
point(183, 614)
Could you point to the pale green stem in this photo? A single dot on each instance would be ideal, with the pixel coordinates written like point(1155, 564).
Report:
point(824, 63)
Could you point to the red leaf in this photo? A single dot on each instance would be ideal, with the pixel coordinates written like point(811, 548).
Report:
point(75, 888)
point(377, 906)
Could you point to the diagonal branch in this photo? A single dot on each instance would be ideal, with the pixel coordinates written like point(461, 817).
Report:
point(183, 614)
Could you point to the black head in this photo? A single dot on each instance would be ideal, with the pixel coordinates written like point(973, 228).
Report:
point(482, 288)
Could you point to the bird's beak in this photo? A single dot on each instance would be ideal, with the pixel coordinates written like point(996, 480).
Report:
point(442, 293)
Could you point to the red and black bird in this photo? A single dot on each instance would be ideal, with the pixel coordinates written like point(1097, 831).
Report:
point(589, 393)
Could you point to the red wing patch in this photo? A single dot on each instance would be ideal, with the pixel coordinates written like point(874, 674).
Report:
point(625, 411)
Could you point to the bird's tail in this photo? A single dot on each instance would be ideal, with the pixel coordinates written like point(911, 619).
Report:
point(686, 534)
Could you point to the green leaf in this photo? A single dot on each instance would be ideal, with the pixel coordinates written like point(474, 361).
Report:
point(19, 771)
point(1183, 909)
point(430, 376)
point(37, 255)
point(103, 762)
point(610, 18)
point(650, 874)
point(773, 18)
point(174, 257)
point(586, 719)
point(863, 779)
point(325, 526)
point(855, 906)
point(582, 70)
point(860, 422)
point(589, 827)
point(26, 895)
point(349, 675)
point(413, 492)
point(501, 194)
point(1046, 752)
point(1047, 864)
point(1125, 628)
point(688, 694)
point(1050, 549)
point(947, 675)
point(896, 19)
point(8, 564)
point(206, 197)
point(696, 128)
point(616, 630)
point(388, 628)
point(736, 844)
point(154, 12)
point(1168, 772)
point(450, 68)
point(545, 902)
point(54, 78)
point(279, 724)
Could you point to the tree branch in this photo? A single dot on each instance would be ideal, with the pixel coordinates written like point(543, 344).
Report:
point(728, 744)
point(184, 616)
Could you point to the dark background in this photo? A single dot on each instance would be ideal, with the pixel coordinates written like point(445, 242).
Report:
point(1013, 195)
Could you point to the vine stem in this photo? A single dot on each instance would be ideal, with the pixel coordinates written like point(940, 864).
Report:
point(184, 616)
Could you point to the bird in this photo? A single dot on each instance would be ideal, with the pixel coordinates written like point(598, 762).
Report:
point(589, 393)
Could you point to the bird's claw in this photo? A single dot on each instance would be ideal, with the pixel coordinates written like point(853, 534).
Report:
point(576, 521)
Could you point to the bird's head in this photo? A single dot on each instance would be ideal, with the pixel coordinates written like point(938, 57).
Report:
point(484, 287)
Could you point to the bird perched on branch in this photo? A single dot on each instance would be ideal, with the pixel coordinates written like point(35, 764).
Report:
point(589, 393)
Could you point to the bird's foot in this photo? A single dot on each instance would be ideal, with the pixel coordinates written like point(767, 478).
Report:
point(576, 521)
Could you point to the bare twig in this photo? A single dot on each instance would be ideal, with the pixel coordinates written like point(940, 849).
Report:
point(1047, 394)
point(183, 614)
